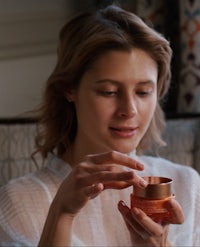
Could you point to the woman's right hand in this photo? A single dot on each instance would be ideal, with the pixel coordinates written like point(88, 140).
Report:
point(86, 181)
point(96, 173)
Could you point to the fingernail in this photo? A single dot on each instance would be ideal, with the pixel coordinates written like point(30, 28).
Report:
point(122, 203)
point(143, 183)
point(124, 210)
point(140, 166)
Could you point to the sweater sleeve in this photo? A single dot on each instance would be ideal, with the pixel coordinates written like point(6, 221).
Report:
point(23, 209)
point(188, 194)
point(196, 227)
point(12, 229)
point(25, 202)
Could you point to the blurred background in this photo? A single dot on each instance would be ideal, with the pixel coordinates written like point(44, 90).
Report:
point(28, 42)
point(29, 33)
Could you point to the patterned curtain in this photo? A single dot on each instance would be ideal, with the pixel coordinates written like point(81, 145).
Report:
point(179, 21)
point(152, 11)
point(189, 94)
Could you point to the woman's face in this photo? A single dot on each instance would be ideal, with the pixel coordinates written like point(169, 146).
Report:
point(115, 102)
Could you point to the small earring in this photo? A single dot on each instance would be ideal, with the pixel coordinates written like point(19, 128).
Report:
point(69, 97)
point(69, 100)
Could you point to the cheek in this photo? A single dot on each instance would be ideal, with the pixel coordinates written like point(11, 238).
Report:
point(152, 106)
point(102, 112)
point(94, 111)
point(149, 110)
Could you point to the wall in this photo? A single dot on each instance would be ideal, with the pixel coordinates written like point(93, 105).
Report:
point(29, 33)
point(21, 83)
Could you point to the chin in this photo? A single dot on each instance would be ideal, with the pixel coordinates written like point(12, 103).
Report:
point(126, 149)
point(122, 146)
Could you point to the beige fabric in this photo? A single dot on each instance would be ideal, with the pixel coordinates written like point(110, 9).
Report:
point(180, 137)
point(17, 144)
point(25, 202)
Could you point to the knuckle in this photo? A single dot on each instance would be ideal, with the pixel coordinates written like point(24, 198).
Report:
point(78, 170)
point(110, 168)
point(99, 176)
point(159, 232)
point(79, 178)
point(112, 154)
point(79, 173)
point(89, 157)
point(181, 220)
point(80, 167)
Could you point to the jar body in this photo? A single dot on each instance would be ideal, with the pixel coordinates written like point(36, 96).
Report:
point(154, 208)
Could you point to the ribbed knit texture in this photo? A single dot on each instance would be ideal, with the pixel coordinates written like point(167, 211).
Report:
point(24, 204)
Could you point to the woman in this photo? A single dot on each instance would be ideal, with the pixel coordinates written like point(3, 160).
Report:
point(100, 110)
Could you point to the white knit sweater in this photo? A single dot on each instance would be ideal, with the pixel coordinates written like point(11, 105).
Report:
point(24, 204)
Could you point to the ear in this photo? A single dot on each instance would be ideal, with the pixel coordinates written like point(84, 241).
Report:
point(69, 95)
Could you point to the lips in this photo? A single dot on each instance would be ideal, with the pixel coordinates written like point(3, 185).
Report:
point(123, 132)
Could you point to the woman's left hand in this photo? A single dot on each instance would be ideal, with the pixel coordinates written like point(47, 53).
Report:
point(146, 232)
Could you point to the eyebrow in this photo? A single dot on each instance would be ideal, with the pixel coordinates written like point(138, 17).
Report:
point(119, 82)
point(148, 82)
point(108, 80)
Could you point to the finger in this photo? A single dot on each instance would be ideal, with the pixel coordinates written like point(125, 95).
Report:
point(125, 211)
point(91, 168)
point(176, 212)
point(131, 223)
point(117, 158)
point(134, 181)
point(88, 167)
point(103, 177)
point(93, 190)
point(116, 185)
point(150, 226)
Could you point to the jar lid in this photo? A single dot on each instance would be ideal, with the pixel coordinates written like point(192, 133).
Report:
point(157, 188)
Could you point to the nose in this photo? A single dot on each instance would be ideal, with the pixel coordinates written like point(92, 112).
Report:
point(127, 107)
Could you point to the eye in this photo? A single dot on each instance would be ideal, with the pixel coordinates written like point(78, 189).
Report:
point(144, 93)
point(108, 93)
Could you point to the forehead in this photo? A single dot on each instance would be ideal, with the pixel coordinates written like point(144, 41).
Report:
point(114, 57)
point(123, 64)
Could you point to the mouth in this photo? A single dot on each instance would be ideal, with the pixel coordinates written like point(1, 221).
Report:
point(123, 132)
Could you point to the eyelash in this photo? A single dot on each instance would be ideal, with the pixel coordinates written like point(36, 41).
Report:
point(145, 93)
point(108, 93)
point(113, 93)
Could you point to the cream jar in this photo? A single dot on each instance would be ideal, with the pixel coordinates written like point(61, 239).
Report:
point(152, 199)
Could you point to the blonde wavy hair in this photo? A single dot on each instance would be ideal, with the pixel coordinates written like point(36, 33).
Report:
point(81, 41)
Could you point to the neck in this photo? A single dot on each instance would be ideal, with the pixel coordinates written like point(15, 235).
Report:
point(76, 153)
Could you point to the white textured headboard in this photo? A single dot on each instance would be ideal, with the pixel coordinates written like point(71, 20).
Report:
point(17, 145)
